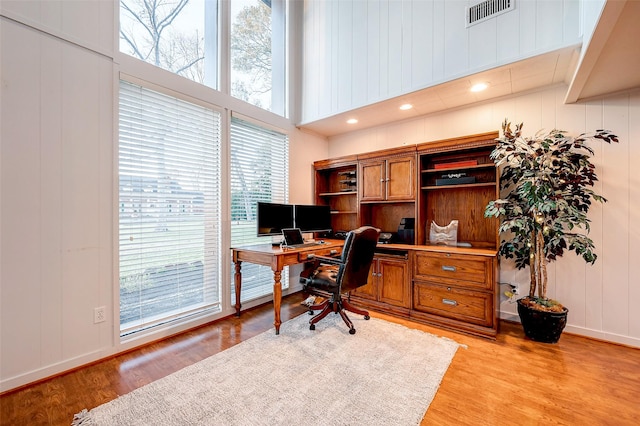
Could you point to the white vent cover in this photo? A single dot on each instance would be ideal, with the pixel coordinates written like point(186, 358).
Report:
point(487, 9)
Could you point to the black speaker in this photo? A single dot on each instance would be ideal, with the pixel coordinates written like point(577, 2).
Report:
point(406, 230)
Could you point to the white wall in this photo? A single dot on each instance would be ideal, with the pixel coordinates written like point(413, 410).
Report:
point(602, 298)
point(58, 176)
point(358, 52)
point(57, 162)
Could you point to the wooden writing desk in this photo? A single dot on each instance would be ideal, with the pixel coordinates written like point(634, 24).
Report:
point(277, 258)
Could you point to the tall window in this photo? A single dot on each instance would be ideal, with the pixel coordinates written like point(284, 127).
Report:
point(180, 36)
point(169, 203)
point(258, 53)
point(259, 172)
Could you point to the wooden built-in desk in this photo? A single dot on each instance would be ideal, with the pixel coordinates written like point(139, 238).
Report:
point(277, 258)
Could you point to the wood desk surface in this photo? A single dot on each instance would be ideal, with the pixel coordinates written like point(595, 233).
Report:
point(277, 257)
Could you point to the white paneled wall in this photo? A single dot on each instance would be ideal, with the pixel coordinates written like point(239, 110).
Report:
point(359, 52)
point(601, 298)
point(88, 23)
point(57, 201)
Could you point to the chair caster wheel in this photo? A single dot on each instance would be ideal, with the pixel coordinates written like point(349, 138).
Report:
point(310, 312)
point(352, 331)
point(312, 327)
point(367, 317)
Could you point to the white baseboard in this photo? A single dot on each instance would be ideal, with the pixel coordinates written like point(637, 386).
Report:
point(586, 332)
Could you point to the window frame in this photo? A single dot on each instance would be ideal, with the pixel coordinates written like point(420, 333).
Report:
point(136, 71)
point(265, 274)
point(211, 264)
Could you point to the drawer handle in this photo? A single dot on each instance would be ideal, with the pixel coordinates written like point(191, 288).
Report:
point(449, 302)
point(311, 256)
point(333, 252)
point(448, 268)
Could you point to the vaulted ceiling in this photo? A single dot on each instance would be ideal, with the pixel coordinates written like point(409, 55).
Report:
point(611, 64)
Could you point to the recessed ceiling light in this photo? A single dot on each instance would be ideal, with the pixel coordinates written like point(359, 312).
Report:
point(405, 107)
point(479, 87)
point(352, 121)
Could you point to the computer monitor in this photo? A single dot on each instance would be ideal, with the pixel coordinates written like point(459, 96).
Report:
point(312, 218)
point(272, 218)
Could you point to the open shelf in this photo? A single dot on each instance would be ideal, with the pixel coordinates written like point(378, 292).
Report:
point(464, 185)
point(336, 194)
point(336, 187)
point(441, 199)
point(477, 166)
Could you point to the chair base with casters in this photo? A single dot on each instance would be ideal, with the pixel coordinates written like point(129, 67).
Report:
point(339, 306)
point(334, 277)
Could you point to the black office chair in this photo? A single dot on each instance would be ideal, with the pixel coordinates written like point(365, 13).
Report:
point(333, 278)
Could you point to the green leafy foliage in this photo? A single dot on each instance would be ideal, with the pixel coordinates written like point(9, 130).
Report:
point(547, 181)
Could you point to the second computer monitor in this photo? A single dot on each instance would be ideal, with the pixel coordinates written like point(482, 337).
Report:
point(312, 218)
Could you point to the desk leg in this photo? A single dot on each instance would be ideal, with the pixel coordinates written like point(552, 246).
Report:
point(277, 299)
point(238, 284)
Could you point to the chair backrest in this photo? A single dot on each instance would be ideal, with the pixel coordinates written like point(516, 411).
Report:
point(357, 255)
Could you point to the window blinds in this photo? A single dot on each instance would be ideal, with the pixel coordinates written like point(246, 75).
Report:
point(259, 172)
point(169, 203)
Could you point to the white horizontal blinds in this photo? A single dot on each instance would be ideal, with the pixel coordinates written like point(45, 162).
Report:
point(259, 172)
point(169, 203)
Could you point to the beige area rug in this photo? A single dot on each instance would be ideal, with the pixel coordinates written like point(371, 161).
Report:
point(385, 374)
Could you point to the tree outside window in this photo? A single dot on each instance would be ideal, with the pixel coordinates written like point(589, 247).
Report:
point(181, 36)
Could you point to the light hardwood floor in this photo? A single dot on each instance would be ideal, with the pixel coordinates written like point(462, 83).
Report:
point(510, 381)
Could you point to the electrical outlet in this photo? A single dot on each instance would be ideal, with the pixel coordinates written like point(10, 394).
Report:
point(514, 289)
point(99, 314)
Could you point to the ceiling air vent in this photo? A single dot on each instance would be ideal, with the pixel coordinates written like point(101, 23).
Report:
point(487, 9)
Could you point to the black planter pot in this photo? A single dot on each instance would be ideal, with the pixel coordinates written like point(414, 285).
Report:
point(542, 326)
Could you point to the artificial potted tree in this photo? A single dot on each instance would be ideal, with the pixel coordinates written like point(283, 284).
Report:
point(546, 186)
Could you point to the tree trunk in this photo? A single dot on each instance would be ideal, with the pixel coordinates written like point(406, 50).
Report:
point(542, 267)
point(532, 265)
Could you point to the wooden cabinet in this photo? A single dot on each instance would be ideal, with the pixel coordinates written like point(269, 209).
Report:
point(389, 279)
point(387, 188)
point(448, 286)
point(388, 179)
point(456, 289)
point(336, 185)
point(457, 181)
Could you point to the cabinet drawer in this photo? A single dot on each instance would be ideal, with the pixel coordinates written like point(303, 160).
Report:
point(467, 270)
point(460, 304)
point(306, 256)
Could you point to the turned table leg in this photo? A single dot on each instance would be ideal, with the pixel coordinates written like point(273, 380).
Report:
point(238, 283)
point(277, 298)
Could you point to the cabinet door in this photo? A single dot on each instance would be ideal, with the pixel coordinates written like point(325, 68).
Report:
point(393, 282)
point(370, 289)
point(372, 181)
point(400, 178)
